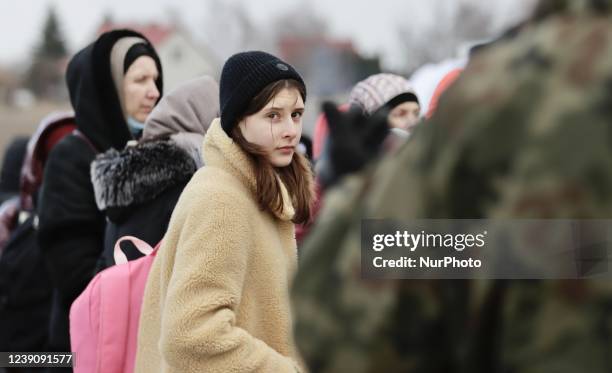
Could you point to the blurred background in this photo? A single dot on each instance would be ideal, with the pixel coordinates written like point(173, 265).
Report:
point(333, 44)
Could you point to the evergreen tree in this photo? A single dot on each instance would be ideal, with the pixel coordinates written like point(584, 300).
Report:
point(44, 76)
point(52, 44)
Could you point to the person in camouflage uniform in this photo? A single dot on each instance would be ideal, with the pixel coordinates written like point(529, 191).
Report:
point(526, 132)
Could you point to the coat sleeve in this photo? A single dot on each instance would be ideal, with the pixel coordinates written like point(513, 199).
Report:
point(198, 323)
point(71, 229)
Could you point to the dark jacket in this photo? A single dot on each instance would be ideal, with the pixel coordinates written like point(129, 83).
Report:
point(138, 188)
point(25, 293)
point(71, 228)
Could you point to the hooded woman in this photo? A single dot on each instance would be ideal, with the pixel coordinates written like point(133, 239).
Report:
point(138, 187)
point(114, 83)
point(216, 299)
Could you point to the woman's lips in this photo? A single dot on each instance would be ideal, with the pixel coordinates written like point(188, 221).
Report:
point(287, 149)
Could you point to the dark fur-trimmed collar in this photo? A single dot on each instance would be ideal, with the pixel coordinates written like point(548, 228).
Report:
point(139, 173)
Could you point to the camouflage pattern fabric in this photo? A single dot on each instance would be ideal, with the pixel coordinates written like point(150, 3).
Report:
point(526, 132)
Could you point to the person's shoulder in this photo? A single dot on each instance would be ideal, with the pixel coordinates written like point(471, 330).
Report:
point(70, 156)
point(213, 185)
point(71, 148)
point(209, 196)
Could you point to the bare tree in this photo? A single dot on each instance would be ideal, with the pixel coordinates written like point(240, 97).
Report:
point(229, 29)
point(301, 20)
point(453, 26)
point(45, 76)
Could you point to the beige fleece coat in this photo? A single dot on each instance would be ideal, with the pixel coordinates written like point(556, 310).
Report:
point(217, 297)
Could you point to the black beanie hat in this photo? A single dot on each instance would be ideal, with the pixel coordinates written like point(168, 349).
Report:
point(244, 75)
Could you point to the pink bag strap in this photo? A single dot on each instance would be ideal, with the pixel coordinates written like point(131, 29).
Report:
point(143, 247)
point(114, 310)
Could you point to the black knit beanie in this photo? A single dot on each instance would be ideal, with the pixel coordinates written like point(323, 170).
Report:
point(244, 75)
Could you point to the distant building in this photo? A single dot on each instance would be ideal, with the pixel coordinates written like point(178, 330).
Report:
point(329, 66)
point(181, 58)
point(11, 91)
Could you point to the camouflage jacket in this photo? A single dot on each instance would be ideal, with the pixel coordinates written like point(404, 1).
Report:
point(526, 131)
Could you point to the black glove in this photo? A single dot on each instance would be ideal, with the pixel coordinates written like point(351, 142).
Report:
point(354, 140)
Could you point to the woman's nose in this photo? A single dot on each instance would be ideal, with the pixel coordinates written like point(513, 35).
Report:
point(152, 91)
point(289, 128)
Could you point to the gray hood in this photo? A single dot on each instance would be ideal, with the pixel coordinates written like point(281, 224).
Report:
point(185, 114)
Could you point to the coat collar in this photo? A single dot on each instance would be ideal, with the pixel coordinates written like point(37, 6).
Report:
point(222, 152)
point(137, 174)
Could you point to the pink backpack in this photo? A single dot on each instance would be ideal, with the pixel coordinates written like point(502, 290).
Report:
point(104, 318)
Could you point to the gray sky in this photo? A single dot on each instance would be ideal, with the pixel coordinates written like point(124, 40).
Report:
point(371, 24)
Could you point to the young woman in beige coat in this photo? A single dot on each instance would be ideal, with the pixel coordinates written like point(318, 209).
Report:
point(217, 298)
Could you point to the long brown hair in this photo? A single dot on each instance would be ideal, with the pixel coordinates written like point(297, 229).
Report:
point(297, 176)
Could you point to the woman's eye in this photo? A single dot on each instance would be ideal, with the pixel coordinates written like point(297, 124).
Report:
point(273, 116)
point(297, 114)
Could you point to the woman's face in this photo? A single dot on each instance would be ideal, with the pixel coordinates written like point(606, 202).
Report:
point(405, 115)
point(139, 90)
point(277, 127)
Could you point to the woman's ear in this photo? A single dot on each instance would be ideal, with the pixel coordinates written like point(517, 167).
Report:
point(242, 125)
